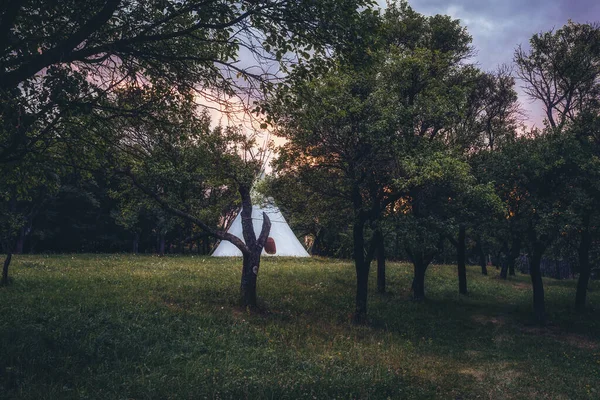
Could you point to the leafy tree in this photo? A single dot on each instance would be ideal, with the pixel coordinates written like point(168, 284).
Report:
point(64, 65)
point(88, 50)
point(562, 71)
point(440, 187)
point(182, 164)
point(23, 191)
point(529, 177)
point(354, 126)
point(581, 193)
point(332, 137)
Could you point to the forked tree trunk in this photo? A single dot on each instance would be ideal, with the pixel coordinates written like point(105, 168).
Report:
point(535, 272)
point(250, 267)
point(584, 266)
point(461, 260)
point(252, 249)
point(380, 262)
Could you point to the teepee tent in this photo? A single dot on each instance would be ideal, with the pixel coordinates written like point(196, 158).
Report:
point(286, 243)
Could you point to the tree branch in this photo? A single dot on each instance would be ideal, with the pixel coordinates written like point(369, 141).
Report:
point(237, 242)
point(13, 78)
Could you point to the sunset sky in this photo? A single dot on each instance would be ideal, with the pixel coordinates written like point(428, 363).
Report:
point(498, 26)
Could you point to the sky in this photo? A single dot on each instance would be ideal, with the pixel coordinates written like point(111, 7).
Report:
point(499, 26)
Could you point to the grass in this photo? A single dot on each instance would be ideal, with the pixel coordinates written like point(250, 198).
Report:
point(140, 327)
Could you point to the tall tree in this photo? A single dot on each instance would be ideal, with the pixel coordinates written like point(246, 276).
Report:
point(353, 125)
point(562, 70)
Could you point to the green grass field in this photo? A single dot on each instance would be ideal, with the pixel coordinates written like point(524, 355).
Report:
point(140, 327)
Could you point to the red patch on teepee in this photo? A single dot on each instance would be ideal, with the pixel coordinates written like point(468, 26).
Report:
point(270, 247)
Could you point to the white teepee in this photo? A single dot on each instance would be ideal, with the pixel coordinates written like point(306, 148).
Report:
point(286, 243)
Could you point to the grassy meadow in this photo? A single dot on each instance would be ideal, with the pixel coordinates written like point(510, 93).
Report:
point(142, 327)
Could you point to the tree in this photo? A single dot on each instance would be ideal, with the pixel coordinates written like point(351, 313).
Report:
point(88, 50)
point(581, 193)
point(63, 65)
point(23, 192)
point(352, 126)
point(181, 163)
point(332, 137)
point(441, 194)
point(529, 177)
point(562, 71)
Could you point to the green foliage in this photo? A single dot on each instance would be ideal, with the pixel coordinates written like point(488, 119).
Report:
point(562, 71)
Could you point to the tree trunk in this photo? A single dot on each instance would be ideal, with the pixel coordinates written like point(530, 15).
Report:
point(380, 262)
point(20, 241)
point(362, 290)
point(136, 243)
point(315, 249)
point(161, 244)
point(481, 258)
point(504, 270)
point(461, 260)
point(418, 285)
point(515, 251)
point(4, 280)
point(539, 308)
point(584, 266)
point(251, 250)
point(250, 266)
point(362, 273)
point(504, 255)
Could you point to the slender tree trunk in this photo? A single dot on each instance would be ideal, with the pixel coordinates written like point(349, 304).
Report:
point(584, 266)
point(161, 244)
point(362, 290)
point(315, 249)
point(515, 251)
point(482, 262)
point(539, 307)
point(504, 270)
point(250, 266)
point(4, 280)
point(418, 285)
point(362, 273)
point(511, 266)
point(461, 260)
point(504, 256)
point(380, 262)
point(179, 247)
point(136, 243)
point(20, 241)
